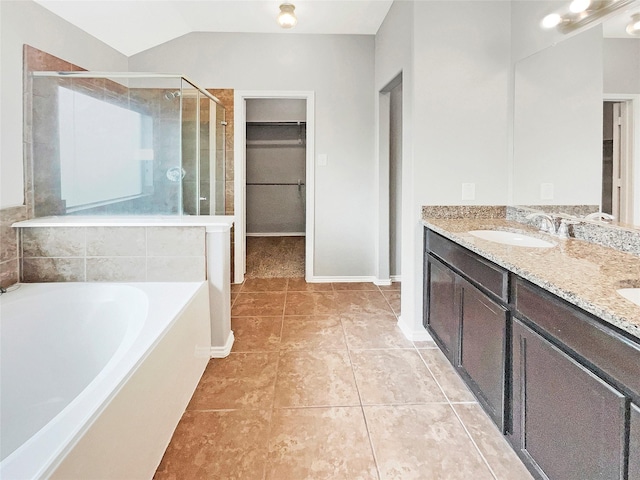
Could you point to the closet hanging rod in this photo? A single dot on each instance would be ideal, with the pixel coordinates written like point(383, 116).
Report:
point(297, 184)
point(275, 124)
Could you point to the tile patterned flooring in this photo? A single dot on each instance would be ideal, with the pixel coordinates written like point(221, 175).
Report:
point(321, 384)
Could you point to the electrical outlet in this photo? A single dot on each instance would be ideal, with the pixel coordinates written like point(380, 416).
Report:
point(322, 159)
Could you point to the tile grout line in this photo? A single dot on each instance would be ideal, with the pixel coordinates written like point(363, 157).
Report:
point(275, 385)
point(364, 416)
point(486, 462)
point(458, 417)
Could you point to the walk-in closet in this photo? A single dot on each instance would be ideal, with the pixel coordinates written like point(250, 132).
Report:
point(276, 142)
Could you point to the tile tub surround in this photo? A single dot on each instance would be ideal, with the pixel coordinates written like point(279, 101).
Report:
point(582, 273)
point(300, 397)
point(133, 249)
point(9, 253)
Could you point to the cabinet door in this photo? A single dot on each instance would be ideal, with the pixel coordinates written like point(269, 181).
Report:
point(634, 443)
point(568, 424)
point(482, 349)
point(442, 306)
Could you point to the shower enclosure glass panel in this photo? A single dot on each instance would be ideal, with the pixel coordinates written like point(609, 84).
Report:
point(120, 143)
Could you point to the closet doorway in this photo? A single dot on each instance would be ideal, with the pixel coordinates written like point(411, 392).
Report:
point(273, 182)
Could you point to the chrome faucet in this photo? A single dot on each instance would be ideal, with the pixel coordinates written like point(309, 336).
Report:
point(548, 223)
point(558, 225)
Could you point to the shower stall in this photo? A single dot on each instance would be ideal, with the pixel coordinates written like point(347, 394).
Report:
point(125, 144)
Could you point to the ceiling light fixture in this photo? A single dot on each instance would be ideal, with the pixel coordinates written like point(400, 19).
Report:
point(287, 17)
point(633, 28)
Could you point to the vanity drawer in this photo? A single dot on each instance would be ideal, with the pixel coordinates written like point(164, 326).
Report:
point(472, 266)
point(612, 353)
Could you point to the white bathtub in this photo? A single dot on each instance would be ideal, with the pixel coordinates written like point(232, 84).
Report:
point(95, 377)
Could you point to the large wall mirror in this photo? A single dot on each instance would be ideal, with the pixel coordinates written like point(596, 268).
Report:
point(576, 137)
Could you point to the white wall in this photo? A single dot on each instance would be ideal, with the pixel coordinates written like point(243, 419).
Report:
point(340, 70)
point(276, 110)
point(394, 54)
point(455, 58)
point(621, 59)
point(25, 22)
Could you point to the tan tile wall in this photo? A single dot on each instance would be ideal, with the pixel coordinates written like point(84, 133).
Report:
point(113, 254)
point(225, 95)
point(39, 140)
point(97, 254)
point(9, 258)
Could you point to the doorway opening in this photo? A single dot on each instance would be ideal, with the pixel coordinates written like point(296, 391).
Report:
point(276, 143)
point(390, 182)
point(273, 185)
point(620, 180)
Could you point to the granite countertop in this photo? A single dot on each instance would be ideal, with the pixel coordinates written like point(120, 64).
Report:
point(582, 273)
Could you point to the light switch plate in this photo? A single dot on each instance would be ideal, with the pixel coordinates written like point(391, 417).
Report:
point(322, 159)
point(468, 191)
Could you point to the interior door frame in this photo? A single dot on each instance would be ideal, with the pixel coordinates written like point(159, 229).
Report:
point(632, 118)
point(240, 174)
point(383, 140)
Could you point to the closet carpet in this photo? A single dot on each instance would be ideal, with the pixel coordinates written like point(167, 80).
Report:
point(275, 257)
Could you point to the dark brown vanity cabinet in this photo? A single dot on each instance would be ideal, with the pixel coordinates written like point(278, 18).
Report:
point(443, 312)
point(481, 359)
point(563, 385)
point(467, 321)
point(634, 442)
point(567, 423)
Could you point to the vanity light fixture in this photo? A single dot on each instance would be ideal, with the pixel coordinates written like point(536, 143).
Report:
point(287, 17)
point(552, 20)
point(585, 12)
point(633, 28)
point(579, 6)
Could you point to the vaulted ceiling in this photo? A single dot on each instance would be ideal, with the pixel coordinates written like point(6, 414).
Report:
point(131, 26)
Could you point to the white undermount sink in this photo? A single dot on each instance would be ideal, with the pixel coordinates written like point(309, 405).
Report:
point(511, 238)
point(631, 294)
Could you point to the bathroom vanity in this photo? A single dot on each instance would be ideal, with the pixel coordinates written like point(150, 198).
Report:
point(543, 340)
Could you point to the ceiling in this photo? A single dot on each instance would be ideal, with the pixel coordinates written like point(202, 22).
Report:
point(131, 26)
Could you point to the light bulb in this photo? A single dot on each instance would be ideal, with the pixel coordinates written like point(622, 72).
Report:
point(287, 17)
point(633, 28)
point(579, 6)
point(551, 20)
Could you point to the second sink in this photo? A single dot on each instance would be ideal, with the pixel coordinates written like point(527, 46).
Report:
point(631, 294)
point(511, 238)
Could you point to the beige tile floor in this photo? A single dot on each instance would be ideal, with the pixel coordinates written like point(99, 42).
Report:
point(321, 384)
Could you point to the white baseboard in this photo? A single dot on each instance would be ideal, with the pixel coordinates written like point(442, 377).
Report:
point(420, 335)
point(396, 278)
point(340, 279)
point(222, 352)
point(382, 282)
point(275, 234)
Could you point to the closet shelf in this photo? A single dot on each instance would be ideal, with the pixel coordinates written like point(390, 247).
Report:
point(274, 124)
point(275, 143)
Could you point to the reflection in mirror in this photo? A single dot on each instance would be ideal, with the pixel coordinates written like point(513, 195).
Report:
point(569, 149)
